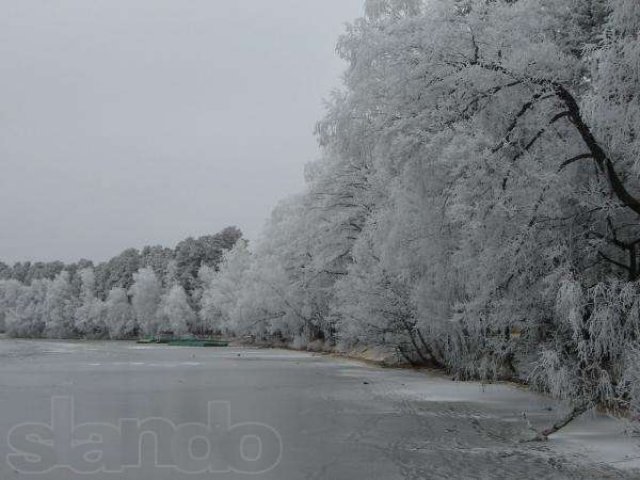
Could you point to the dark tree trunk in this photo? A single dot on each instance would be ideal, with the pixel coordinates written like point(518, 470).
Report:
point(560, 424)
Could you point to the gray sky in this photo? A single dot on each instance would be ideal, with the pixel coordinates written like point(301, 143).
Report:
point(133, 122)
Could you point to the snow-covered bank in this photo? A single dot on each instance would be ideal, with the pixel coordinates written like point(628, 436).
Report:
point(594, 437)
point(600, 438)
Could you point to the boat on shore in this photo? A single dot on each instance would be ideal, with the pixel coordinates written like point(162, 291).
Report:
point(183, 341)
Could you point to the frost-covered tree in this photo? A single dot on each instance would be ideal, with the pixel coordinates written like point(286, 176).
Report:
point(289, 286)
point(119, 315)
point(90, 318)
point(592, 355)
point(118, 271)
point(157, 258)
point(60, 308)
point(9, 293)
point(146, 292)
point(191, 254)
point(380, 8)
point(221, 289)
point(175, 313)
point(24, 307)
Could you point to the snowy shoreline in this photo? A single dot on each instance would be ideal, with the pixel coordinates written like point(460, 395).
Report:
point(602, 438)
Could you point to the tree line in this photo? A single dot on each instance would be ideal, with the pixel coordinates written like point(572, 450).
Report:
point(476, 204)
point(135, 293)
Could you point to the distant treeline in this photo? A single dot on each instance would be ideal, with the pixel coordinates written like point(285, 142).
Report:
point(136, 292)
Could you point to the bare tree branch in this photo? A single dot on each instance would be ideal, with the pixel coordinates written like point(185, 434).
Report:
point(566, 163)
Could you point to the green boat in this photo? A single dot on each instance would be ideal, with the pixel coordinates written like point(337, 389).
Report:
point(188, 342)
point(183, 341)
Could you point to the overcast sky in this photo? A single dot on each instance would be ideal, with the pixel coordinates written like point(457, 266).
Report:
point(133, 122)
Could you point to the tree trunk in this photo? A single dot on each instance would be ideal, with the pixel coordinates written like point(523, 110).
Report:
point(406, 356)
point(560, 424)
point(633, 263)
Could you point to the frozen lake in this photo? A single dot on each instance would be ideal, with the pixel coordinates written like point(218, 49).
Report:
point(267, 414)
